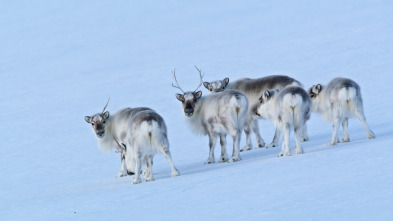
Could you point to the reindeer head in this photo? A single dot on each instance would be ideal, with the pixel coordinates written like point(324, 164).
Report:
point(216, 86)
point(189, 99)
point(262, 109)
point(314, 91)
point(98, 121)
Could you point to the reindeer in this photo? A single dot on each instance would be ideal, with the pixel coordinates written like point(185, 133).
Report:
point(215, 115)
point(253, 88)
point(138, 134)
point(339, 100)
point(288, 109)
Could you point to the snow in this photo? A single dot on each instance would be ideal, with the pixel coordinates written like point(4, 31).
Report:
point(62, 60)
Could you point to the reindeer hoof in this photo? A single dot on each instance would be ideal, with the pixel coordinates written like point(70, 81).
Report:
point(304, 139)
point(222, 159)
point(234, 159)
point(299, 151)
point(345, 140)
point(260, 145)
point(136, 180)
point(209, 161)
point(246, 148)
point(272, 145)
point(284, 154)
point(371, 135)
point(175, 173)
point(121, 174)
point(149, 179)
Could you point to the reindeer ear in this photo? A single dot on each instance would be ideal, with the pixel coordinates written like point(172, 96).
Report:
point(225, 82)
point(180, 97)
point(106, 115)
point(267, 93)
point(88, 119)
point(318, 87)
point(206, 84)
point(198, 94)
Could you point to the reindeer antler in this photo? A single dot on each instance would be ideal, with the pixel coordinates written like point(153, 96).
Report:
point(200, 76)
point(174, 76)
point(106, 105)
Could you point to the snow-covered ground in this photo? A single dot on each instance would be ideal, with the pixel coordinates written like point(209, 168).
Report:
point(61, 60)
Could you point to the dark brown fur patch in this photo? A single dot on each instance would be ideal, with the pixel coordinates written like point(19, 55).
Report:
point(270, 82)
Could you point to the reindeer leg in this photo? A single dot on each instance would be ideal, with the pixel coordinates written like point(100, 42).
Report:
point(236, 143)
point(165, 150)
point(247, 131)
point(123, 168)
point(336, 125)
point(298, 146)
point(255, 129)
point(275, 140)
point(212, 144)
point(285, 142)
point(360, 115)
point(304, 133)
point(149, 169)
point(345, 130)
point(138, 159)
point(223, 142)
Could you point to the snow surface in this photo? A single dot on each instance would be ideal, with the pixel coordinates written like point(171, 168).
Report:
point(61, 60)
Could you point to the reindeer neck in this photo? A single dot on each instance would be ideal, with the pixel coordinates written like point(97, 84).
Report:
point(107, 142)
point(196, 120)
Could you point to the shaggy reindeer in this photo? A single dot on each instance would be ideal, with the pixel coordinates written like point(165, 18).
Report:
point(288, 109)
point(338, 101)
point(138, 134)
point(215, 115)
point(253, 88)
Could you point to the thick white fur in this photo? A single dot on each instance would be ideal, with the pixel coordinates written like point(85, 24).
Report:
point(337, 104)
point(288, 111)
point(217, 115)
point(127, 129)
point(253, 93)
point(108, 142)
point(143, 142)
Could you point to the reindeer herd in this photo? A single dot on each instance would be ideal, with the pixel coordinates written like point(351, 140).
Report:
point(231, 107)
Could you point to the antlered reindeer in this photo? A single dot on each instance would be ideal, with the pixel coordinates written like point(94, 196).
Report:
point(138, 134)
point(215, 115)
point(288, 109)
point(338, 101)
point(253, 88)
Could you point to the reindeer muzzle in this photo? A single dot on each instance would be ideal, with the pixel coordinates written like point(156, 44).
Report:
point(188, 112)
point(100, 133)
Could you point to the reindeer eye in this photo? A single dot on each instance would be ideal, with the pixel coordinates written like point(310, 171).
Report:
point(92, 124)
point(103, 122)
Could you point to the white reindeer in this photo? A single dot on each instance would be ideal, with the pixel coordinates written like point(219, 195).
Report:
point(215, 115)
point(138, 134)
point(288, 109)
point(253, 88)
point(338, 101)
